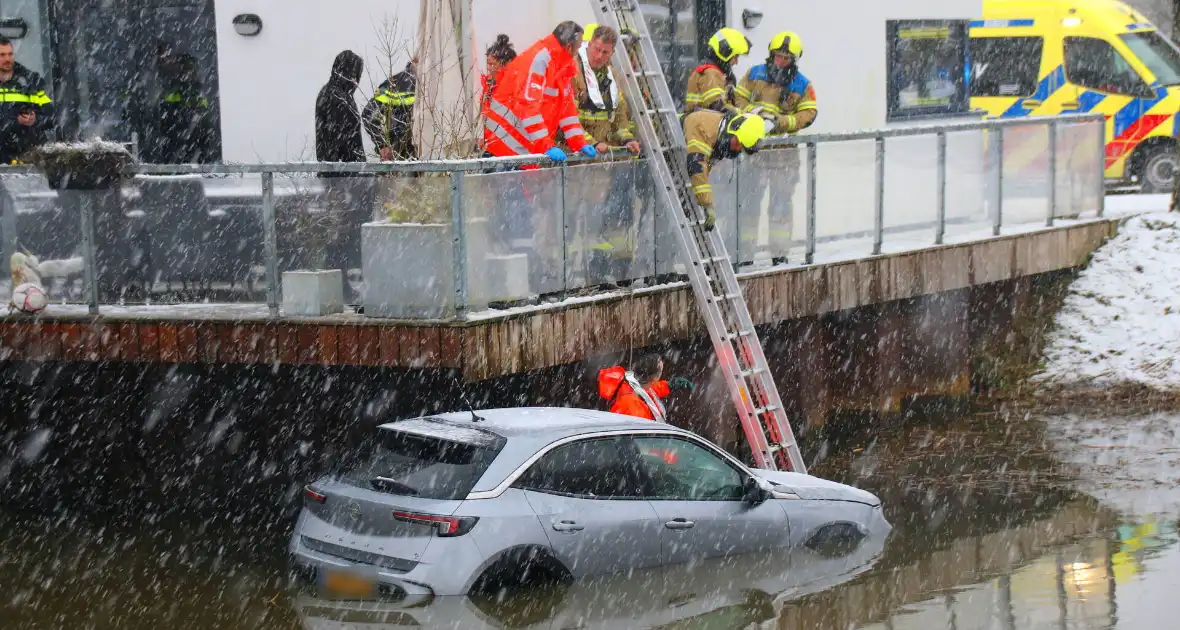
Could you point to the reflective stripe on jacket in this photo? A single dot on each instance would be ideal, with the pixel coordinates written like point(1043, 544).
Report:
point(532, 101)
point(792, 106)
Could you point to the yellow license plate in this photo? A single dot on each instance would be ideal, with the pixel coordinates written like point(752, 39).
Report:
point(347, 584)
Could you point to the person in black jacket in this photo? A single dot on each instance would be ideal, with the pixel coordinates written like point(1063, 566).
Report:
point(26, 111)
point(338, 139)
point(388, 115)
point(337, 122)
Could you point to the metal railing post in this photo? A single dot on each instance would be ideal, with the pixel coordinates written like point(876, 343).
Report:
point(1101, 167)
point(879, 196)
point(8, 223)
point(565, 277)
point(998, 216)
point(737, 212)
point(809, 248)
point(459, 245)
point(89, 262)
point(270, 244)
point(1052, 173)
point(940, 229)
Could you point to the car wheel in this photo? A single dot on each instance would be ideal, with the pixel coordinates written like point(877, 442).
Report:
point(1158, 171)
point(518, 568)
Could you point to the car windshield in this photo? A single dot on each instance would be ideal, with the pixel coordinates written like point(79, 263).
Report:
point(421, 458)
point(1157, 53)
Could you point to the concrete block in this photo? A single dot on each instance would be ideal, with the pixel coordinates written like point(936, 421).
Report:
point(409, 270)
point(313, 293)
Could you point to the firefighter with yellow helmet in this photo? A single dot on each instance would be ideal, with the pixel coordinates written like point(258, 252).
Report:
point(713, 136)
point(778, 92)
point(711, 84)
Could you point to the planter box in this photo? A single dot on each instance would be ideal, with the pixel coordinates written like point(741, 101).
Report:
point(83, 166)
point(313, 293)
point(408, 270)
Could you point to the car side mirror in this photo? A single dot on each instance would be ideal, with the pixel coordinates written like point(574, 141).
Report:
point(753, 492)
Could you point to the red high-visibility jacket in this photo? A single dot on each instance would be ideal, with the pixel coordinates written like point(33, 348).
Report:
point(611, 385)
point(533, 98)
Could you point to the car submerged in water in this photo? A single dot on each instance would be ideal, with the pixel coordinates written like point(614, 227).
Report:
point(477, 502)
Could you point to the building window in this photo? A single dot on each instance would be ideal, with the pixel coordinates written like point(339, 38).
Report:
point(928, 62)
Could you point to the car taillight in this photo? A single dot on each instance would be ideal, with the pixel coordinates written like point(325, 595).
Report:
point(446, 526)
point(312, 495)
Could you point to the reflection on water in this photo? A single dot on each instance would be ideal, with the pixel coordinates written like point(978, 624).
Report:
point(988, 533)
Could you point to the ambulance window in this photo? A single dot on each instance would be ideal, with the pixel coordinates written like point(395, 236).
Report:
point(1094, 64)
point(1005, 66)
point(1157, 53)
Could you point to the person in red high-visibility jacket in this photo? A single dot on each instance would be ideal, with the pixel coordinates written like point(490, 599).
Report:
point(639, 392)
point(533, 99)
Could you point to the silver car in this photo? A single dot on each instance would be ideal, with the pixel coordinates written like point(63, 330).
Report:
point(475, 502)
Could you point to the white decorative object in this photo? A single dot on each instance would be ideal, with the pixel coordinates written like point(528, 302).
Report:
point(29, 298)
point(313, 293)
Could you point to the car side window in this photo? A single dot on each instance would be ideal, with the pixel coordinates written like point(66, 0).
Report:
point(588, 469)
point(1095, 64)
point(675, 469)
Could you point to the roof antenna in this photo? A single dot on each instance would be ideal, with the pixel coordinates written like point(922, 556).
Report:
point(467, 403)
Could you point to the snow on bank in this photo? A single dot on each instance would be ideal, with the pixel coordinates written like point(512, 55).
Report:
point(1120, 324)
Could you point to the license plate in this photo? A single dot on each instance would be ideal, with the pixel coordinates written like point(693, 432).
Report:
point(340, 583)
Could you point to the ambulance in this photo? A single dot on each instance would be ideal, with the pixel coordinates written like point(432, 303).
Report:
point(1048, 57)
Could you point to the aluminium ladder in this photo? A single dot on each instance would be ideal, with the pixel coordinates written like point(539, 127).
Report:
point(710, 270)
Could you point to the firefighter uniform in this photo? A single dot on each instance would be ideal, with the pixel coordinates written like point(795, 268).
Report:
point(787, 98)
point(711, 84)
point(707, 134)
point(388, 115)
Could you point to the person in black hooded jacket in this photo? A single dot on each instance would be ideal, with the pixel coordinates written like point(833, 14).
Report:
point(338, 139)
point(337, 121)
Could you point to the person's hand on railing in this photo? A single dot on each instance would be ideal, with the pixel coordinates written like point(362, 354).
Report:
point(632, 146)
point(556, 154)
point(589, 151)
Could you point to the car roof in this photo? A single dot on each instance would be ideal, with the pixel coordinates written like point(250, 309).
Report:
point(526, 430)
point(538, 422)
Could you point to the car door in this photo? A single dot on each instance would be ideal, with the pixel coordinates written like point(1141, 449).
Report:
point(588, 501)
point(697, 495)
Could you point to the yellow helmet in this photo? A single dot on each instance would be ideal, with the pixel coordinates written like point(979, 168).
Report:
point(748, 129)
point(728, 43)
point(588, 34)
point(788, 42)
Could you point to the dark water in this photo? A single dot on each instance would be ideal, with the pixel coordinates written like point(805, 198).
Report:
point(1000, 521)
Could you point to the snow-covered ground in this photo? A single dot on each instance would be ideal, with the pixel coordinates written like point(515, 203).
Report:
point(1120, 324)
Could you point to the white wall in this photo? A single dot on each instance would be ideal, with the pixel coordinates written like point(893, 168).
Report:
point(269, 82)
point(844, 49)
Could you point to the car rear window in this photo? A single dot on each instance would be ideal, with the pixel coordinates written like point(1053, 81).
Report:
point(421, 458)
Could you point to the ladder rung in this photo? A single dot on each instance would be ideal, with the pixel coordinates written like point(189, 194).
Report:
point(761, 410)
point(749, 373)
point(735, 335)
point(660, 110)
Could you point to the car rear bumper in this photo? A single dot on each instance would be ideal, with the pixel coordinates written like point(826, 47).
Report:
point(445, 568)
point(309, 566)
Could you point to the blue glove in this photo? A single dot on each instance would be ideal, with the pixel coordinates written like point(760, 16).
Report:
point(556, 154)
point(589, 151)
point(680, 382)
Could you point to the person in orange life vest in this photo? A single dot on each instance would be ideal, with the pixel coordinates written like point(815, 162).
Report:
point(639, 391)
point(499, 55)
point(534, 99)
